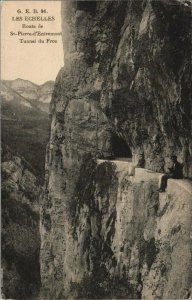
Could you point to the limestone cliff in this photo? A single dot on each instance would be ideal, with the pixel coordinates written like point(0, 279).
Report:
point(126, 80)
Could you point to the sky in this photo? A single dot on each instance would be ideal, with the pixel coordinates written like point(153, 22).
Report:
point(38, 62)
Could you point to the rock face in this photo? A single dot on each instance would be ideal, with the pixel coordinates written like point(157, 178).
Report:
point(132, 61)
point(126, 80)
point(20, 228)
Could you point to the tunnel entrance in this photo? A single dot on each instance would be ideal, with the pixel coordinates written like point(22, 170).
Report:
point(88, 6)
point(120, 148)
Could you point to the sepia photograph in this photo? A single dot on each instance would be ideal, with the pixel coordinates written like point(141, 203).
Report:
point(96, 149)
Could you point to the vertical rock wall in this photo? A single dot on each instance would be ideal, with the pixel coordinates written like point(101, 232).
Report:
point(133, 60)
point(126, 73)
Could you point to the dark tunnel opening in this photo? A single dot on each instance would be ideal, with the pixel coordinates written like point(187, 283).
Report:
point(119, 147)
point(88, 6)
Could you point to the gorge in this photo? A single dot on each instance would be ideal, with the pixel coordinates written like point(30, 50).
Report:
point(121, 106)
